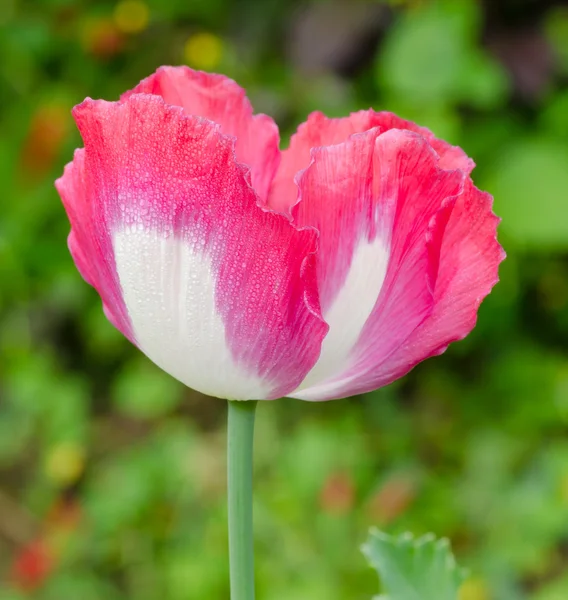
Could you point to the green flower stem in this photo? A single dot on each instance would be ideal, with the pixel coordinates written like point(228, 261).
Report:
point(239, 471)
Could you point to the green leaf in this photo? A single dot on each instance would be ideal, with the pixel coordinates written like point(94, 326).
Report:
point(413, 569)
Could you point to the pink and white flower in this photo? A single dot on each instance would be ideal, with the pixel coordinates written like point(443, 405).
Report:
point(322, 271)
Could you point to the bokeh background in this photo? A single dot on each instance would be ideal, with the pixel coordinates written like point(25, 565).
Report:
point(112, 475)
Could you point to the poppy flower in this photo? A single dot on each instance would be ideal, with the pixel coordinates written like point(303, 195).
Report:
point(318, 272)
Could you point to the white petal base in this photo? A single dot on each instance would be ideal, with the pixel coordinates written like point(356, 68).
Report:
point(347, 316)
point(169, 291)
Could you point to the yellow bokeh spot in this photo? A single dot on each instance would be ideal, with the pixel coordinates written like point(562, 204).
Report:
point(131, 16)
point(203, 51)
point(474, 589)
point(65, 463)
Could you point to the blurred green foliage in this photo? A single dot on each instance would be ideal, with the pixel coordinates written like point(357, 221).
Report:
point(112, 476)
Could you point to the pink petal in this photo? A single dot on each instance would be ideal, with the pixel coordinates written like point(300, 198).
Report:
point(216, 291)
point(463, 234)
point(374, 200)
point(451, 157)
point(318, 130)
point(90, 243)
point(221, 100)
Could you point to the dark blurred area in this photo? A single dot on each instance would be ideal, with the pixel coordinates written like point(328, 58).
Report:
point(112, 475)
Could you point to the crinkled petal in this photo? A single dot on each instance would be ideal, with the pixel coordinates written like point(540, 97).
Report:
point(218, 292)
point(463, 236)
point(451, 157)
point(373, 199)
point(90, 243)
point(223, 101)
point(319, 130)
